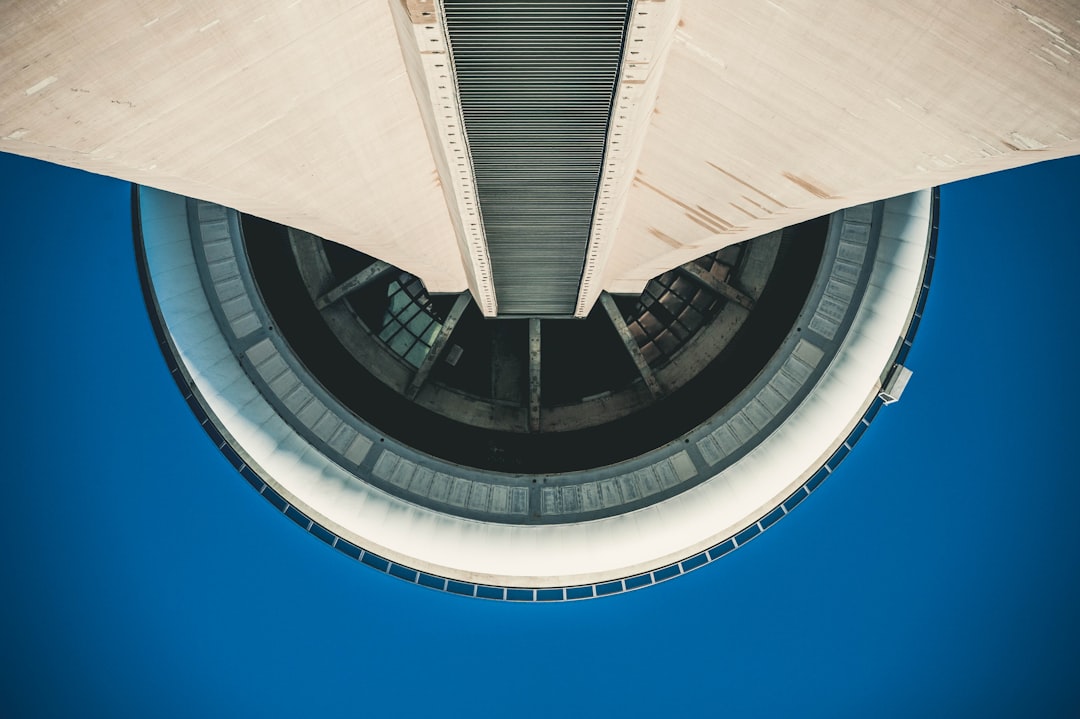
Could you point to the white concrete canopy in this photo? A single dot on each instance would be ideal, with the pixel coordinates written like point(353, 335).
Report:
point(766, 114)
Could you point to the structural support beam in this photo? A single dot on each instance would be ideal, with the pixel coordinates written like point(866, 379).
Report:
point(631, 345)
point(422, 30)
point(438, 345)
point(649, 37)
point(706, 279)
point(364, 277)
point(534, 374)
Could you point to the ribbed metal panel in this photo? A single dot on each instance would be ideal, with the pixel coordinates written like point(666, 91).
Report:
point(536, 82)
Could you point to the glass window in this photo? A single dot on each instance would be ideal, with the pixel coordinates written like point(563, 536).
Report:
point(460, 588)
point(232, 456)
point(213, 434)
point(873, 409)
point(347, 548)
point(401, 572)
point(721, 549)
point(297, 516)
point(838, 457)
point(374, 560)
point(178, 377)
point(674, 306)
point(694, 562)
point(817, 479)
point(579, 592)
point(747, 534)
point(193, 404)
point(902, 355)
point(322, 533)
point(489, 592)
point(672, 570)
point(856, 434)
point(434, 582)
point(275, 499)
point(416, 354)
point(794, 500)
point(253, 479)
point(410, 323)
point(913, 327)
point(770, 519)
point(520, 595)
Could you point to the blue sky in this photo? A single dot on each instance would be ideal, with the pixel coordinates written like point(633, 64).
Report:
point(937, 573)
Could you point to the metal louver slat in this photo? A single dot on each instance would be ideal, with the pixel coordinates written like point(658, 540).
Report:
point(536, 82)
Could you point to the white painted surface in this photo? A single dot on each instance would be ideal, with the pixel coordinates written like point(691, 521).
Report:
point(303, 114)
point(774, 113)
point(767, 114)
point(421, 27)
point(648, 40)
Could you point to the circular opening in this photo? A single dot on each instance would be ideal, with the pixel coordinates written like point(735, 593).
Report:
point(539, 395)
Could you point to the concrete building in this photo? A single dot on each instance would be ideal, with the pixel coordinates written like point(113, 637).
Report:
point(731, 202)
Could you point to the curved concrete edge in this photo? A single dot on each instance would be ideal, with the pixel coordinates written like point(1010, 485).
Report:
point(582, 495)
point(543, 555)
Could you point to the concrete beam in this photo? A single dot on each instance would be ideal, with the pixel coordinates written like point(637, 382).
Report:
point(438, 345)
point(631, 345)
point(709, 282)
point(362, 278)
point(649, 37)
point(421, 29)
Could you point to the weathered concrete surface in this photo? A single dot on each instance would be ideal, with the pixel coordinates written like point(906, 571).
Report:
point(771, 113)
point(767, 113)
point(298, 112)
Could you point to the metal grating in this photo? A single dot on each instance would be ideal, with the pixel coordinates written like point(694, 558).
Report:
point(536, 81)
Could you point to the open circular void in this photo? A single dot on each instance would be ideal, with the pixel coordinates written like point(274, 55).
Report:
point(535, 458)
point(703, 331)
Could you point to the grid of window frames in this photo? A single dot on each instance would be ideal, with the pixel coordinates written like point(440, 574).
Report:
point(410, 323)
point(674, 306)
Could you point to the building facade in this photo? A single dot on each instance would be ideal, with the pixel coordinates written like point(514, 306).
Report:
point(627, 280)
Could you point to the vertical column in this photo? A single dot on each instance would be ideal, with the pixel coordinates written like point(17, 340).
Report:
point(422, 33)
point(534, 374)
